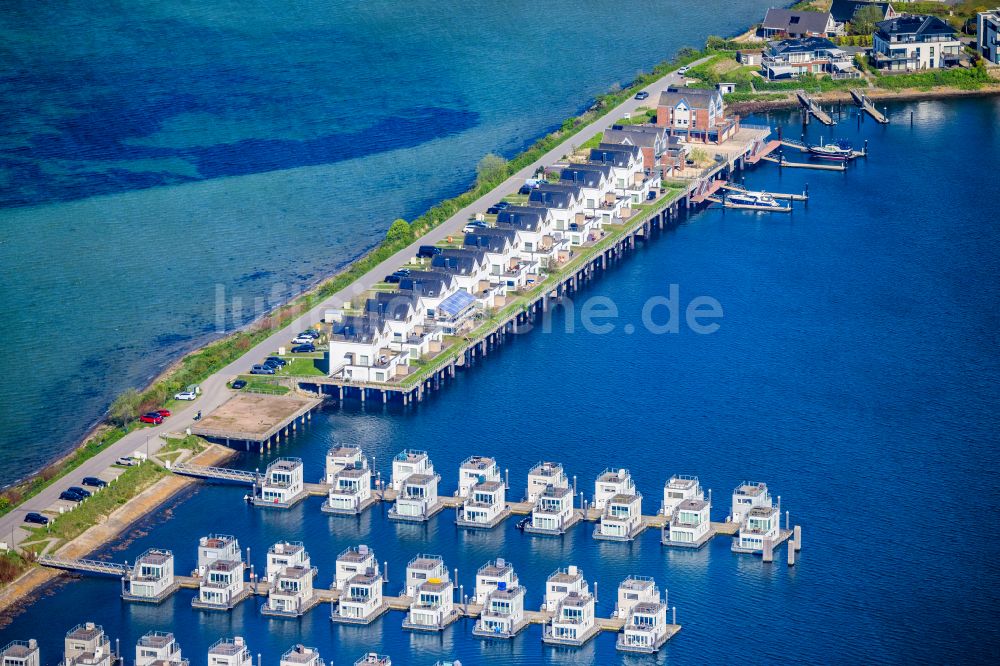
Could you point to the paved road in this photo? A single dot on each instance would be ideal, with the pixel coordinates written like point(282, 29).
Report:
point(214, 389)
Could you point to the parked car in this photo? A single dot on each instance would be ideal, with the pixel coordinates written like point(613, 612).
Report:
point(36, 518)
point(151, 417)
point(185, 395)
point(94, 482)
point(272, 364)
point(238, 384)
point(683, 70)
point(70, 496)
point(126, 461)
point(392, 279)
point(262, 370)
point(525, 189)
point(163, 412)
point(428, 251)
point(79, 491)
point(651, 196)
point(641, 95)
point(301, 340)
point(313, 333)
point(303, 349)
point(277, 359)
point(473, 227)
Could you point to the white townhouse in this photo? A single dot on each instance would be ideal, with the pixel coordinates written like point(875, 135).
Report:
point(535, 225)
point(503, 251)
point(628, 171)
point(405, 314)
point(471, 269)
point(360, 349)
point(566, 206)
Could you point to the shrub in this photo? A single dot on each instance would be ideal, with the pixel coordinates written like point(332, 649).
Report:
point(491, 169)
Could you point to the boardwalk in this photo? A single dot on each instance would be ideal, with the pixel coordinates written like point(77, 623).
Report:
point(865, 103)
point(811, 107)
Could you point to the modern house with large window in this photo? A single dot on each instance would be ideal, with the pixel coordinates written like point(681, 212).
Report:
point(907, 43)
point(791, 58)
point(988, 35)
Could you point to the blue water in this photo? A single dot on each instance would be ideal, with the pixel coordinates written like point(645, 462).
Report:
point(159, 160)
point(855, 371)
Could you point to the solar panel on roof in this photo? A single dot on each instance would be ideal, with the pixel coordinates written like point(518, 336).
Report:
point(456, 303)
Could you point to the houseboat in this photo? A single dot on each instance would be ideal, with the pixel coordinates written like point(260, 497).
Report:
point(407, 463)
point(285, 554)
point(485, 506)
point(360, 600)
point(562, 582)
point(158, 648)
point(491, 575)
point(230, 652)
point(340, 457)
point(542, 476)
point(220, 573)
point(761, 526)
point(503, 613)
point(374, 659)
point(573, 622)
point(351, 491)
point(421, 569)
point(621, 519)
point(418, 499)
point(476, 469)
point(612, 482)
point(678, 488)
point(353, 561)
point(690, 525)
point(433, 606)
point(746, 496)
point(291, 592)
point(645, 629)
point(87, 645)
point(553, 512)
point(300, 655)
point(21, 653)
point(283, 484)
point(151, 578)
point(634, 590)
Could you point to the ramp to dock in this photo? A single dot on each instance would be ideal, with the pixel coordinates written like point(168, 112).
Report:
point(810, 105)
point(83, 566)
point(214, 473)
point(868, 106)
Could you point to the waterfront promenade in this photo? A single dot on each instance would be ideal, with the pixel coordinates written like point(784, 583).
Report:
point(214, 389)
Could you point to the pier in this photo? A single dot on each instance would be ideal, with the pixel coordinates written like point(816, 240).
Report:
point(866, 105)
point(810, 107)
point(783, 163)
point(256, 419)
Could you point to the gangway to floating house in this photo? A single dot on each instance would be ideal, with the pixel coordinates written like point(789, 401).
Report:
point(215, 473)
point(83, 566)
point(811, 107)
point(868, 106)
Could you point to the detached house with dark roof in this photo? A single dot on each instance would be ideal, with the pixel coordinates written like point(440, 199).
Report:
point(908, 43)
point(695, 114)
point(843, 11)
point(788, 23)
point(791, 58)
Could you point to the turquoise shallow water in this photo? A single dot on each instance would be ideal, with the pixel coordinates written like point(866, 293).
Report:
point(855, 371)
point(157, 157)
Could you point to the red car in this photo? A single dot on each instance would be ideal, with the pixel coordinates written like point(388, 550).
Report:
point(163, 412)
point(152, 417)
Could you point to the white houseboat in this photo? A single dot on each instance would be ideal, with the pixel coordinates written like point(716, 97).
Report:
point(553, 512)
point(573, 622)
point(690, 525)
point(543, 475)
point(151, 578)
point(418, 499)
point(612, 482)
point(340, 457)
point(158, 648)
point(645, 629)
point(678, 488)
point(374, 659)
point(350, 492)
point(220, 573)
point(421, 569)
point(562, 582)
point(300, 655)
point(476, 469)
point(761, 526)
point(407, 463)
point(291, 592)
point(283, 484)
point(353, 561)
point(230, 652)
point(746, 496)
point(503, 613)
point(360, 600)
point(485, 506)
point(433, 606)
point(87, 645)
point(285, 554)
point(491, 575)
point(21, 653)
point(621, 519)
point(217, 547)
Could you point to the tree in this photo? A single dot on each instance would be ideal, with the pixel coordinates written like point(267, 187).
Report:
point(400, 232)
point(864, 20)
point(125, 408)
point(491, 169)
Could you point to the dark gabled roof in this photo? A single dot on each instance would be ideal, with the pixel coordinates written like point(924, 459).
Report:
point(432, 284)
point(493, 239)
point(645, 136)
point(803, 45)
point(359, 328)
point(586, 175)
point(616, 154)
point(392, 305)
point(528, 218)
point(555, 195)
point(694, 98)
point(843, 11)
point(456, 262)
point(910, 24)
point(787, 20)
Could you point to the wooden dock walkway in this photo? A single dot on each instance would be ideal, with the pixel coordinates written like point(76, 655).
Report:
point(811, 107)
point(865, 103)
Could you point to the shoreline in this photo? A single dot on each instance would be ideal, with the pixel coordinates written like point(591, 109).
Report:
point(907, 95)
point(22, 590)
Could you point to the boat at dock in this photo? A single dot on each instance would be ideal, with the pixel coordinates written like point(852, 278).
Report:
point(754, 201)
point(840, 151)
